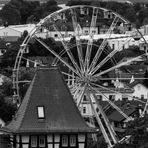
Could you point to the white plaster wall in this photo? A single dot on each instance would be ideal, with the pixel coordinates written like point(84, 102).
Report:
point(53, 33)
point(57, 138)
point(25, 139)
point(25, 145)
point(81, 138)
point(50, 145)
point(88, 29)
point(49, 138)
point(81, 145)
point(9, 32)
point(140, 90)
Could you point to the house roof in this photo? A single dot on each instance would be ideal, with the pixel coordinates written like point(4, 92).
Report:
point(128, 108)
point(116, 116)
point(48, 89)
point(137, 82)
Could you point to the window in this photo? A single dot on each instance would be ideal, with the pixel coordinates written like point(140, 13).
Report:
point(123, 47)
point(142, 96)
point(111, 97)
point(84, 110)
point(33, 141)
point(93, 31)
point(42, 141)
point(125, 99)
point(99, 97)
point(41, 113)
point(72, 140)
point(56, 35)
point(86, 31)
point(113, 46)
point(85, 98)
point(65, 141)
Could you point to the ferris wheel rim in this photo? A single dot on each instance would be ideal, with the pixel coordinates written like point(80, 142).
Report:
point(77, 90)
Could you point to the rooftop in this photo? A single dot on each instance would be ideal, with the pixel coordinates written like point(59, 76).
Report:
point(49, 91)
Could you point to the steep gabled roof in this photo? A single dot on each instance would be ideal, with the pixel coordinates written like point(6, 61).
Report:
point(48, 89)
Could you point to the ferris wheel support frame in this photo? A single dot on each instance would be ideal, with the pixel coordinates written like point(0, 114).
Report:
point(84, 73)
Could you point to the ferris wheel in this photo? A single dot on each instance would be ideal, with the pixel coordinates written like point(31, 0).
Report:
point(87, 57)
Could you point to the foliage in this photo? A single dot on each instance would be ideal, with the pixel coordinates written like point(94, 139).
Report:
point(134, 13)
point(8, 59)
point(138, 131)
point(6, 88)
point(21, 11)
point(10, 14)
point(26, 74)
point(36, 49)
point(124, 145)
point(31, 12)
point(7, 108)
point(132, 51)
point(98, 144)
point(9, 56)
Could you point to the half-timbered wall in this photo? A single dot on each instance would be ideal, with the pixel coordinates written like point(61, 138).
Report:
point(49, 141)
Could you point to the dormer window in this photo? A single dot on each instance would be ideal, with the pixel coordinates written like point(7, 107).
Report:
point(41, 112)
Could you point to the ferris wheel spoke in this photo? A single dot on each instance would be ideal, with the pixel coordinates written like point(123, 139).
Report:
point(56, 55)
point(117, 92)
point(90, 41)
point(109, 56)
point(70, 75)
point(81, 95)
point(110, 129)
point(77, 32)
point(55, 61)
point(113, 105)
point(103, 44)
point(78, 95)
point(33, 61)
point(68, 51)
point(119, 65)
point(103, 130)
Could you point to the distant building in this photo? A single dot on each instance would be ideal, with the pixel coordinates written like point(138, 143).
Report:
point(140, 90)
point(40, 1)
point(48, 116)
point(131, 108)
point(111, 94)
point(12, 33)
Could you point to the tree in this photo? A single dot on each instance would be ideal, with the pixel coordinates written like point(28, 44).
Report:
point(10, 14)
point(9, 56)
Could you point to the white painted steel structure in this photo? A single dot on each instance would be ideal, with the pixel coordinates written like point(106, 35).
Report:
point(88, 62)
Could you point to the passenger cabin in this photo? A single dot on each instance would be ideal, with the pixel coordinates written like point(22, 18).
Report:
point(48, 116)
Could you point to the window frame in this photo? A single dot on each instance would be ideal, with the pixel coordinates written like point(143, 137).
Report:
point(42, 137)
point(84, 109)
point(41, 113)
point(33, 141)
point(64, 141)
point(72, 141)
